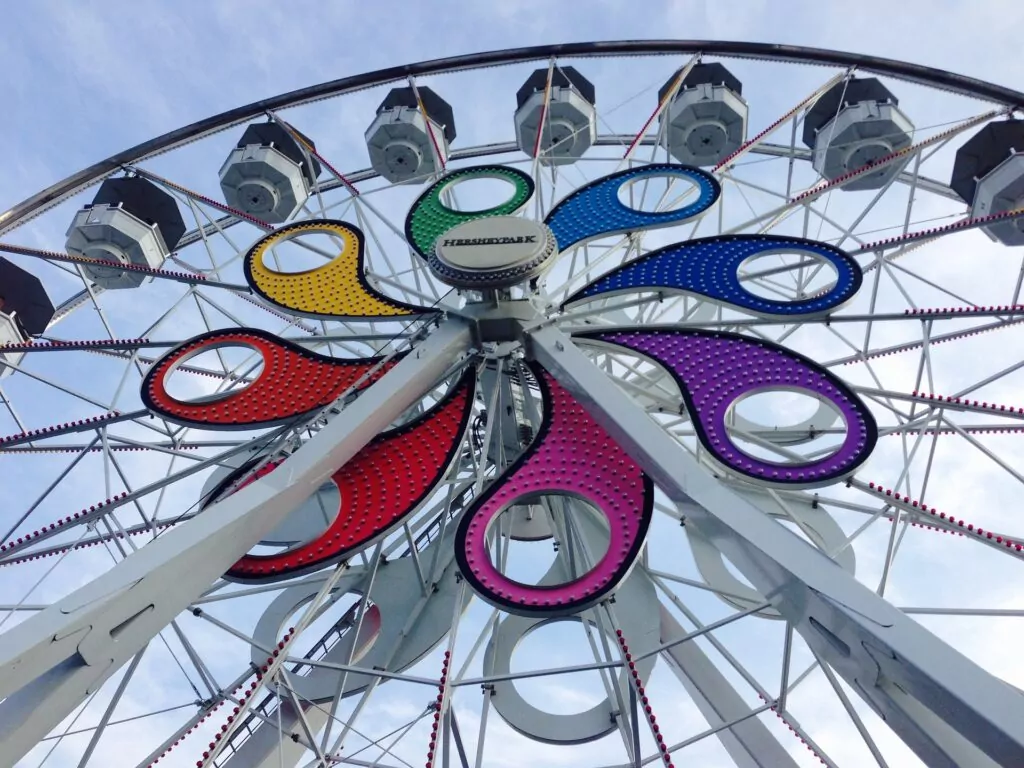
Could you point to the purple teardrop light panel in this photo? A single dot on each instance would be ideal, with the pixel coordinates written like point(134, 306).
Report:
point(571, 456)
point(715, 369)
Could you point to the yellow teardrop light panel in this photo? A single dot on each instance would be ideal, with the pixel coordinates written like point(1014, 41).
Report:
point(338, 289)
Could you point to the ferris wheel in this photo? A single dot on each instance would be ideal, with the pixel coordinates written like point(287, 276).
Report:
point(598, 404)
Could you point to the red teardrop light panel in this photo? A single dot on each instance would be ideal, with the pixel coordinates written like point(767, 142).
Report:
point(379, 487)
point(293, 381)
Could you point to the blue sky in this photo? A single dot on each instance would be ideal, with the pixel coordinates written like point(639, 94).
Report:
point(87, 79)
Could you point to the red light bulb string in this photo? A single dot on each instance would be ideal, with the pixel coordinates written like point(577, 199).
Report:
point(643, 701)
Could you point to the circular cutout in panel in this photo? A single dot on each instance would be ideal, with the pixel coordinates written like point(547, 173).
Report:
point(385, 640)
point(480, 193)
point(213, 373)
point(638, 610)
point(303, 251)
point(493, 252)
point(308, 521)
point(772, 273)
point(560, 643)
point(785, 426)
point(790, 407)
point(338, 622)
point(580, 536)
point(655, 194)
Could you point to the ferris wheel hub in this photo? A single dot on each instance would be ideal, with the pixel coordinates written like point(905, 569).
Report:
point(495, 252)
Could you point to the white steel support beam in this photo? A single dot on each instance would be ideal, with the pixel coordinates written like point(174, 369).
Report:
point(749, 743)
point(946, 708)
point(50, 663)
